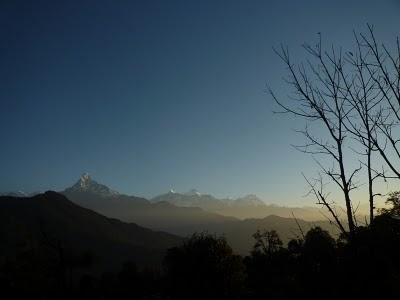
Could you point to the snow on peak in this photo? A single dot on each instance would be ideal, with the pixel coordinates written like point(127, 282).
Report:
point(85, 180)
point(193, 192)
point(87, 184)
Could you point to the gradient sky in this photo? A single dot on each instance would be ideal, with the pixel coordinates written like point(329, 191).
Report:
point(152, 95)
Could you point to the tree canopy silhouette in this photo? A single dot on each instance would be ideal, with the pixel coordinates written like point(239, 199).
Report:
point(204, 267)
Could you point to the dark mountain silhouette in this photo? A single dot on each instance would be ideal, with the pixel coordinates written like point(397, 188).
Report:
point(50, 220)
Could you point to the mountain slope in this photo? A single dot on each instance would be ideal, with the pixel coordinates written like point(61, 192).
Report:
point(50, 219)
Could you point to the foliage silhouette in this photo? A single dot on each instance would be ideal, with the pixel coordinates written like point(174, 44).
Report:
point(267, 241)
point(204, 267)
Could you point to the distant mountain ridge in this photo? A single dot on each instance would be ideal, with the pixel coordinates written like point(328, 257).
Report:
point(249, 206)
point(194, 198)
point(249, 200)
point(15, 194)
point(19, 194)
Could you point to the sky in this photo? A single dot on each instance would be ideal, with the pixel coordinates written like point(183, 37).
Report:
point(152, 95)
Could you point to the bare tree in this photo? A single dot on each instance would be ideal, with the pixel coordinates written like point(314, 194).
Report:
point(355, 96)
point(383, 66)
point(318, 88)
point(364, 99)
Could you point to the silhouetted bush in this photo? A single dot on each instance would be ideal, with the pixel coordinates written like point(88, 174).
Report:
point(204, 267)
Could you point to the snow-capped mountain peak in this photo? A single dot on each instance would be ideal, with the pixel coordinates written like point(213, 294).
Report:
point(85, 180)
point(87, 184)
point(251, 199)
point(193, 192)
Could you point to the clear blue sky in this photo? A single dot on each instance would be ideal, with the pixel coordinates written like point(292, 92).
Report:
point(152, 95)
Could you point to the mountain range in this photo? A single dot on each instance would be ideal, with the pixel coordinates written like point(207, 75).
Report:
point(184, 214)
point(180, 214)
point(249, 206)
point(193, 198)
point(159, 216)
